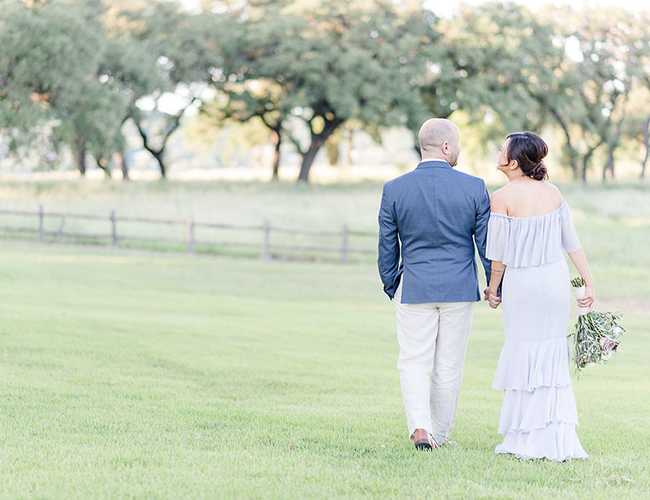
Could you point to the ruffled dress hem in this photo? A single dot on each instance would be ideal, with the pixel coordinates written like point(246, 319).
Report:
point(526, 366)
point(557, 442)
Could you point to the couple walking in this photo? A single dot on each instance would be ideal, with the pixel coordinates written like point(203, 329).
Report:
point(430, 221)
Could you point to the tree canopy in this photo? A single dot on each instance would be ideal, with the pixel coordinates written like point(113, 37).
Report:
point(73, 72)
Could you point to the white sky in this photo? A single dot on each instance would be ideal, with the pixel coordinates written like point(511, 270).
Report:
point(448, 8)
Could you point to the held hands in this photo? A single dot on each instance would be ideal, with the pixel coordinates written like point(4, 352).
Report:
point(496, 276)
point(491, 296)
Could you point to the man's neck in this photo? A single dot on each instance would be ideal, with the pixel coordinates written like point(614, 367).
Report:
point(434, 158)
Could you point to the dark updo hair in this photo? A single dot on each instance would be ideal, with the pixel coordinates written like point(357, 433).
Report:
point(528, 149)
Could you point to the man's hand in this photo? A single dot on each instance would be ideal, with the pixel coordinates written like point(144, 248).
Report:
point(494, 300)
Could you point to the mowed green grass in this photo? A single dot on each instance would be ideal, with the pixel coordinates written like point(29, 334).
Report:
point(139, 375)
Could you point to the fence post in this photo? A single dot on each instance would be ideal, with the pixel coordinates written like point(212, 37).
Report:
point(114, 227)
point(344, 247)
point(41, 223)
point(266, 252)
point(190, 235)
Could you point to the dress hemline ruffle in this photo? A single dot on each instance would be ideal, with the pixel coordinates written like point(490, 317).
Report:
point(557, 442)
point(525, 366)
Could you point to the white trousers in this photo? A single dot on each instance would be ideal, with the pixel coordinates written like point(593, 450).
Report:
point(432, 341)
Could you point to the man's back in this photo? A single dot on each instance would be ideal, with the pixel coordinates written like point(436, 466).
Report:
point(436, 212)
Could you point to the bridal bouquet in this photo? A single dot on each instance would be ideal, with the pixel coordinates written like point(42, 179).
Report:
point(596, 335)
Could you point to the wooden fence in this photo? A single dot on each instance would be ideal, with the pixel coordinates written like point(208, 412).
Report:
point(266, 248)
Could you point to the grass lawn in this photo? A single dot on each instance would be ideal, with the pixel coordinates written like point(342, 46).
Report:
point(135, 375)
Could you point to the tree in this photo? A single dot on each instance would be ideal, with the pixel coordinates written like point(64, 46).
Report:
point(187, 55)
point(263, 99)
point(639, 56)
point(597, 80)
point(61, 66)
point(339, 60)
point(492, 67)
point(129, 69)
point(50, 73)
point(521, 70)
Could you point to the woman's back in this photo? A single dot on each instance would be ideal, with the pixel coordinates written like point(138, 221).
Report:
point(526, 197)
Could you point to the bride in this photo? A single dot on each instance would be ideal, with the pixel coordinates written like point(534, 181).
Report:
point(530, 227)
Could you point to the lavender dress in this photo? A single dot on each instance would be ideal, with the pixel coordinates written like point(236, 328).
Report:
point(539, 415)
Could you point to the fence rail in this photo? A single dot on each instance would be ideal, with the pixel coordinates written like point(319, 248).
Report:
point(267, 248)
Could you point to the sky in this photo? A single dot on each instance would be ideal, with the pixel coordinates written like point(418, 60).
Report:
point(448, 8)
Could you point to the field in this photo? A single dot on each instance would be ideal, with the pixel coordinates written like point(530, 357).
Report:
point(130, 374)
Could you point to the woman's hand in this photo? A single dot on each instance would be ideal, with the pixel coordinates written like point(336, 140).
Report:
point(580, 261)
point(492, 297)
point(587, 301)
point(496, 276)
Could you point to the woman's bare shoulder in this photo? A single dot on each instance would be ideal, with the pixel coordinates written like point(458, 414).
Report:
point(554, 190)
point(502, 191)
point(498, 201)
point(552, 187)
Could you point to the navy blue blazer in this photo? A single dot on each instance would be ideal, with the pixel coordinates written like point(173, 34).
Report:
point(433, 217)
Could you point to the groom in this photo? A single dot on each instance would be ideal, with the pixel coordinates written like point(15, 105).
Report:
point(433, 217)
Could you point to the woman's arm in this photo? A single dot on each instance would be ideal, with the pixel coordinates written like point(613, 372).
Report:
point(579, 260)
point(496, 275)
point(497, 268)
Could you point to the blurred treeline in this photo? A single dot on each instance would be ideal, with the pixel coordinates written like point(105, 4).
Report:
point(74, 72)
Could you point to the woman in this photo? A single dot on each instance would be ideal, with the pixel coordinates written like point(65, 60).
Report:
point(530, 226)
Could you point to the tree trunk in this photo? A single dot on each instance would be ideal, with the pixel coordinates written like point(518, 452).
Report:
point(308, 160)
point(103, 164)
point(317, 142)
point(585, 165)
point(158, 155)
point(276, 156)
point(124, 167)
point(276, 134)
point(646, 143)
point(121, 156)
point(609, 165)
point(587, 158)
point(81, 156)
point(612, 143)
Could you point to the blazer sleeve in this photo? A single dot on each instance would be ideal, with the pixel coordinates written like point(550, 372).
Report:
point(388, 253)
point(481, 227)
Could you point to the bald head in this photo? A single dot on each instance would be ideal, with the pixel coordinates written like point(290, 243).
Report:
point(440, 138)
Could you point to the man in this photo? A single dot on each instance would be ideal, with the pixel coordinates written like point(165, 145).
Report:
point(433, 216)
